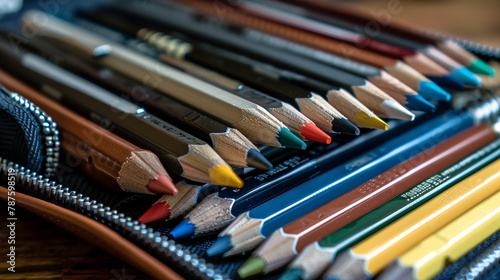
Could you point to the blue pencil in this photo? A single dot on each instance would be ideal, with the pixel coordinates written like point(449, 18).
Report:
point(263, 220)
point(291, 172)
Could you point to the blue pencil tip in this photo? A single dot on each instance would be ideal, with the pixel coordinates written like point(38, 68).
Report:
point(430, 90)
point(447, 81)
point(220, 246)
point(466, 76)
point(183, 230)
point(418, 103)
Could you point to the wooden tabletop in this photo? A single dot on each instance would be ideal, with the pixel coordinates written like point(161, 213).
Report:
point(44, 251)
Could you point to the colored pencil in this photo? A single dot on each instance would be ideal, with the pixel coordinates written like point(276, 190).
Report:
point(291, 171)
point(286, 242)
point(406, 97)
point(299, 124)
point(448, 46)
point(179, 151)
point(398, 69)
point(126, 167)
point(171, 207)
point(378, 77)
point(415, 55)
point(329, 119)
point(370, 95)
point(228, 142)
point(315, 258)
point(307, 21)
point(251, 120)
point(319, 190)
point(370, 256)
point(428, 258)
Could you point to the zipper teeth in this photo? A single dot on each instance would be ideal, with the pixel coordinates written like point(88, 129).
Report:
point(49, 132)
point(481, 265)
point(147, 238)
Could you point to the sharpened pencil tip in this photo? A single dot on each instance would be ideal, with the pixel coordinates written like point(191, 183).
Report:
point(312, 133)
point(466, 76)
point(162, 185)
point(157, 212)
point(292, 274)
point(257, 160)
point(223, 175)
point(430, 90)
point(394, 110)
point(183, 230)
point(366, 121)
point(344, 126)
point(287, 139)
point(418, 103)
point(220, 246)
point(254, 265)
point(447, 81)
point(482, 68)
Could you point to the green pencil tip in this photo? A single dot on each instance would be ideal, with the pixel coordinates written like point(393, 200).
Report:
point(254, 265)
point(287, 139)
point(292, 274)
point(482, 68)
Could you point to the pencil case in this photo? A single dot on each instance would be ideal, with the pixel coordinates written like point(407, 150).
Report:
point(109, 219)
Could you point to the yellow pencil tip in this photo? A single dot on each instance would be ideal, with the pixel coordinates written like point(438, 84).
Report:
point(224, 176)
point(364, 120)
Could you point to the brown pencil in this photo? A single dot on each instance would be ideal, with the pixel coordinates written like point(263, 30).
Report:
point(107, 158)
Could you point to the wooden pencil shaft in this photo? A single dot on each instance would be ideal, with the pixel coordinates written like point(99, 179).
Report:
point(177, 84)
point(363, 19)
point(211, 32)
point(395, 208)
point(309, 22)
point(382, 188)
point(167, 108)
point(321, 189)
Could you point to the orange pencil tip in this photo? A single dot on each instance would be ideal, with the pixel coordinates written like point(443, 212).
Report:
point(312, 133)
point(162, 185)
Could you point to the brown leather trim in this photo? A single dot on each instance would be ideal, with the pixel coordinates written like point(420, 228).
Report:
point(95, 233)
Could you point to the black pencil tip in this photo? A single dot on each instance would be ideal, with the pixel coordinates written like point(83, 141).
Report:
point(257, 160)
point(344, 126)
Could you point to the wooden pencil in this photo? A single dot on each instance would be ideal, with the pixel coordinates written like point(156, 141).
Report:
point(395, 67)
point(299, 124)
point(378, 77)
point(308, 21)
point(251, 120)
point(170, 207)
point(370, 256)
point(316, 257)
point(448, 46)
point(315, 192)
point(428, 258)
point(285, 242)
point(179, 151)
point(228, 142)
point(360, 86)
point(126, 167)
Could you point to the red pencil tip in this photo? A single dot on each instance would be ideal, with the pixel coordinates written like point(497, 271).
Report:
point(162, 185)
point(311, 132)
point(157, 212)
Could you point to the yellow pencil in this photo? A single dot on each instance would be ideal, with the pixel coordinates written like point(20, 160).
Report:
point(371, 255)
point(428, 258)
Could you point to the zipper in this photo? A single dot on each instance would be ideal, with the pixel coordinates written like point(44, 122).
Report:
point(49, 132)
point(145, 237)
